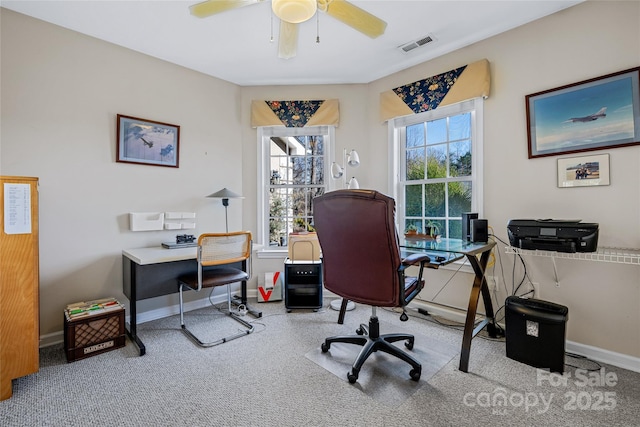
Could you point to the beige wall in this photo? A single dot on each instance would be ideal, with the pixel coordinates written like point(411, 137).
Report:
point(603, 299)
point(61, 92)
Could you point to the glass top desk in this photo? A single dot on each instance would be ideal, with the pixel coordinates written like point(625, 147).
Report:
point(445, 251)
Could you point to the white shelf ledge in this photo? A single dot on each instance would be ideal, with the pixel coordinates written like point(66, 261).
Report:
point(612, 255)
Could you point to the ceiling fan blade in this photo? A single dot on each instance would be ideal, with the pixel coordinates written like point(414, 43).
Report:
point(211, 7)
point(354, 17)
point(288, 40)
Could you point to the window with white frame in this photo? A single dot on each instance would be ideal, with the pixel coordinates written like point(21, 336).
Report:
point(436, 166)
point(292, 171)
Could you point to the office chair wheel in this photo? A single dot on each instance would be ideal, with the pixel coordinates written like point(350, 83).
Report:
point(352, 377)
point(415, 374)
point(360, 331)
point(408, 344)
point(325, 347)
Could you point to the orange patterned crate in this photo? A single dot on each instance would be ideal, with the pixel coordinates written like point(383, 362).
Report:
point(93, 334)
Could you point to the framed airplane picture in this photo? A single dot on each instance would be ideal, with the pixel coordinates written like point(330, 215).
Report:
point(594, 114)
point(147, 142)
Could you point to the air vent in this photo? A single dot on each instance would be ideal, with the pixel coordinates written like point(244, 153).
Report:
point(417, 43)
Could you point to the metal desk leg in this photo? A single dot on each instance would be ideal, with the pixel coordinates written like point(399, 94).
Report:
point(132, 326)
point(479, 287)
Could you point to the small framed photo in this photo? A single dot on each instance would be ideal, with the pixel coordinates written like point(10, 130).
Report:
point(147, 142)
point(594, 114)
point(583, 171)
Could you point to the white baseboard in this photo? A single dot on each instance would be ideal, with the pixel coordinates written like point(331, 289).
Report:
point(147, 316)
point(457, 315)
point(451, 313)
point(605, 356)
point(593, 353)
point(51, 339)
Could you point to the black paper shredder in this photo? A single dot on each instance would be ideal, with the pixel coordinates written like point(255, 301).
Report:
point(535, 332)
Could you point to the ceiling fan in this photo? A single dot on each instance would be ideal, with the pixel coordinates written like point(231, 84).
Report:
point(293, 12)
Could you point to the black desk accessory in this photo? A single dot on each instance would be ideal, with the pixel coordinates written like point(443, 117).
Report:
point(182, 241)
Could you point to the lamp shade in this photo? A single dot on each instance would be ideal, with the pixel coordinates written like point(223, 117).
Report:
point(225, 193)
point(336, 170)
point(294, 11)
point(353, 183)
point(354, 158)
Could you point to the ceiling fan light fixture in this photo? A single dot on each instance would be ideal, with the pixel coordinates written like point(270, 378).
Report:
point(294, 11)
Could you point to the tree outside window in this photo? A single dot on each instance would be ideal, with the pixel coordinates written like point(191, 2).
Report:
point(438, 179)
point(297, 165)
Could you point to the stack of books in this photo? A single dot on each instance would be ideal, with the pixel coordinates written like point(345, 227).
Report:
point(92, 308)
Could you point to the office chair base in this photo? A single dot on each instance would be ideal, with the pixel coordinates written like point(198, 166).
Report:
point(196, 340)
point(371, 341)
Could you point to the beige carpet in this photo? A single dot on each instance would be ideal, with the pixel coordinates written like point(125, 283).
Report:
point(269, 378)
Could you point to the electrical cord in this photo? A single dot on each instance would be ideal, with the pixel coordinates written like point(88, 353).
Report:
point(532, 292)
point(525, 277)
point(242, 311)
point(597, 367)
point(499, 329)
point(449, 280)
point(458, 326)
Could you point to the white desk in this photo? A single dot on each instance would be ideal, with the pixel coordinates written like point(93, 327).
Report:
point(158, 254)
point(153, 272)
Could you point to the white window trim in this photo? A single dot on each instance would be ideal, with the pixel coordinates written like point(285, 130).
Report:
point(476, 106)
point(266, 132)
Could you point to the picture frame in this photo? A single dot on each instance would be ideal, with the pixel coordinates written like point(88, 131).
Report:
point(147, 142)
point(583, 171)
point(594, 114)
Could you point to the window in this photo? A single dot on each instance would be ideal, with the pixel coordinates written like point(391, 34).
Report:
point(437, 167)
point(292, 172)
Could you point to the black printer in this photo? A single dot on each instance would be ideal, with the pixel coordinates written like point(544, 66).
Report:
point(553, 235)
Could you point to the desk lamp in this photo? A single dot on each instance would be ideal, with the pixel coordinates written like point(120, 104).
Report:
point(338, 171)
point(225, 194)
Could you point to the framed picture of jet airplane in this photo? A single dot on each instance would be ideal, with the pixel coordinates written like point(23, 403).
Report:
point(147, 142)
point(594, 114)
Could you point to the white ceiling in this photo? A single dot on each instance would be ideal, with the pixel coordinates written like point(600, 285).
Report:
point(235, 45)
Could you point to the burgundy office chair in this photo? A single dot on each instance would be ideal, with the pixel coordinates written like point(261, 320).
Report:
point(362, 263)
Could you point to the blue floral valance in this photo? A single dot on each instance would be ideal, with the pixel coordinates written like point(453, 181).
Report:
point(460, 84)
point(295, 113)
point(427, 94)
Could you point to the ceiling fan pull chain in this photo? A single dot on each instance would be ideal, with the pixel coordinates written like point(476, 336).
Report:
point(317, 28)
point(271, 16)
